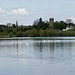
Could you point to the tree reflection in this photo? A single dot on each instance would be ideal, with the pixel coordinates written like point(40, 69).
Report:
point(52, 51)
point(17, 48)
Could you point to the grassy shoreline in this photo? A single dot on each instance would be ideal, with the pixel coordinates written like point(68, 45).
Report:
point(58, 34)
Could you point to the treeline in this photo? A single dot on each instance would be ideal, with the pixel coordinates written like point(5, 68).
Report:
point(39, 28)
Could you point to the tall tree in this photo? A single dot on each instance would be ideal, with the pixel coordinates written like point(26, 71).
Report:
point(39, 24)
point(69, 22)
point(59, 25)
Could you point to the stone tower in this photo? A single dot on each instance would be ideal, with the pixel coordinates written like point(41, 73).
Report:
point(16, 23)
point(51, 22)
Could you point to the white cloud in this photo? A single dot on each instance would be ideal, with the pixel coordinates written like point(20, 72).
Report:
point(1, 10)
point(19, 11)
point(12, 15)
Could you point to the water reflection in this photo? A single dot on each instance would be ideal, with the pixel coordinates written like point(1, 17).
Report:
point(54, 51)
point(37, 57)
point(49, 50)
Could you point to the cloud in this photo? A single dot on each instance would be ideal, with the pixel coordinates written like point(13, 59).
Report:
point(12, 15)
point(19, 11)
point(1, 10)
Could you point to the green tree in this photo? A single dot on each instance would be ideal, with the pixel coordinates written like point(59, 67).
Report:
point(13, 26)
point(14, 31)
point(31, 33)
point(41, 33)
point(49, 32)
point(59, 25)
point(19, 34)
point(9, 30)
point(39, 24)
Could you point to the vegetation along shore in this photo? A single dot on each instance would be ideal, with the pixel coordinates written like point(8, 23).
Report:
point(39, 28)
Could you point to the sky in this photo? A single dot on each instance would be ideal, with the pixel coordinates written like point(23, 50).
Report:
point(27, 11)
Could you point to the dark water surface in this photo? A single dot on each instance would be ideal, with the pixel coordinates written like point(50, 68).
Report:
point(37, 56)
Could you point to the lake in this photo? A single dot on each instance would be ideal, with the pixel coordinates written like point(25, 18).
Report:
point(37, 56)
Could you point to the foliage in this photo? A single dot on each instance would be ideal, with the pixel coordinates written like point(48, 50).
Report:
point(31, 33)
point(41, 33)
point(14, 31)
point(13, 26)
point(68, 33)
point(59, 25)
point(39, 24)
point(19, 34)
point(9, 30)
point(39, 28)
point(49, 32)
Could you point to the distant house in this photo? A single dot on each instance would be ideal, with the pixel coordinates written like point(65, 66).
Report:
point(3, 27)
point(68, 28)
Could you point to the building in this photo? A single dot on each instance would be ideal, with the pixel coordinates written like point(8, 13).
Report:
point(51, 22)
point(68, 28)
point(16, 23)
point(3, 27)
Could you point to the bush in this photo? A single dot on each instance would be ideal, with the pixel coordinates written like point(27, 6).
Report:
point(19, 34)
point(9, 30)
point(49, 32)
point(41, 33)
point(14, 31)
point(31, 33)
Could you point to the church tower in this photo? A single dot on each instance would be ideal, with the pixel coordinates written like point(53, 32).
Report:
point(51, 22)
point(16, 23)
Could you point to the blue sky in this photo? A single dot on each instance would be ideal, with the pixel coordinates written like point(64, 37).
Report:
point(26, 11)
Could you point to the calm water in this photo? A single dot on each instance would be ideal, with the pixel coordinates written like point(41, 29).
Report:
point(37, 56)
